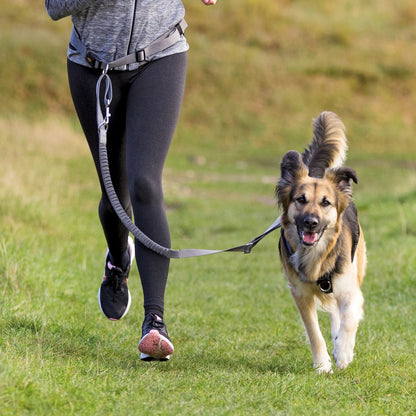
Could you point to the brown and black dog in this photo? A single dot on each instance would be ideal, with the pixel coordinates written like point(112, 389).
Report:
point(322, 246)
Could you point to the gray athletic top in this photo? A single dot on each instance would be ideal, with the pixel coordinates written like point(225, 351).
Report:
point(113, 29)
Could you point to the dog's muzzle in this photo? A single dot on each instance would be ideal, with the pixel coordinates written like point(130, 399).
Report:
point(309, 231)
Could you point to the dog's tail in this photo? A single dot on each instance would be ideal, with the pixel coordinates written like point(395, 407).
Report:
point(329, 145)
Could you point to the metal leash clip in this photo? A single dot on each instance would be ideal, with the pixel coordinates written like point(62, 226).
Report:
point(104, 121)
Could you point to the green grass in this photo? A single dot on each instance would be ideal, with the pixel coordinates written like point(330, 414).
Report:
point(259, 71)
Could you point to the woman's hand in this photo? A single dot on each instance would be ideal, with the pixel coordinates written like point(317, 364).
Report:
point(207, 2)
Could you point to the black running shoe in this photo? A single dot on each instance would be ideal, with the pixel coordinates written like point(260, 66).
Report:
point(155, 343)
point(114, 296)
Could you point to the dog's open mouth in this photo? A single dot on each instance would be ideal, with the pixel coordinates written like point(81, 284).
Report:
point(309, 239)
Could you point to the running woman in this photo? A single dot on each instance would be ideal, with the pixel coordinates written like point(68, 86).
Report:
point(147, 97)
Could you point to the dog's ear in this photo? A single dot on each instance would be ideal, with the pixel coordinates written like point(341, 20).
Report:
point(292, 169)
point(292, 166)
point(342, 178)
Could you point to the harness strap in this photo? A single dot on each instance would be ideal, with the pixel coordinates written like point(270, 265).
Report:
point(325, 281)
point(162, 43)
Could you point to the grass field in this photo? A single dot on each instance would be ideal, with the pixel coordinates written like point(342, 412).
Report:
point(259, 71)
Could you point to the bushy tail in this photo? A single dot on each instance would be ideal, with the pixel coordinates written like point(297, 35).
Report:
point(329, 145)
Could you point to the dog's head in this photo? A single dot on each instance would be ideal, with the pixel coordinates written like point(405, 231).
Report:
point(312, 205)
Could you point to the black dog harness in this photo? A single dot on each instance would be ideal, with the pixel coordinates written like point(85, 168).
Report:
point(325, 281)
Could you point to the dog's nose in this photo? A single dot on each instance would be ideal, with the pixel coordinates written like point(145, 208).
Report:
point(310, 222)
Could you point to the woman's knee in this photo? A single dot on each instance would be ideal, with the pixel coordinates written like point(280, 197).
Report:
point(146, 190)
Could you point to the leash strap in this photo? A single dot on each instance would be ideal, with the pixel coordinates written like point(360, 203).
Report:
point(103, 120)
point(162, 43)
point(245, 248)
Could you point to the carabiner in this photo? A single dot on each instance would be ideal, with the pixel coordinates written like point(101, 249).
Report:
point(104, 120)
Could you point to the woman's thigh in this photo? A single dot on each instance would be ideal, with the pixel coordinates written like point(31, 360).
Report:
point(153, 107)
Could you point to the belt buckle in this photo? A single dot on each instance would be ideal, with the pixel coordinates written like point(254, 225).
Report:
point(92, 61)
point(140, 56)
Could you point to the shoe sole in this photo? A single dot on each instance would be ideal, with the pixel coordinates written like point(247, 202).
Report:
point(145, 357)
point(130, 244)
point(154, 346)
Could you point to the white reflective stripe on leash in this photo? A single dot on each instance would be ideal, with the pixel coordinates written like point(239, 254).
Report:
point(102, 124)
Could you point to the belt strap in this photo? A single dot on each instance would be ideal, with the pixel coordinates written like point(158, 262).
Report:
point(160, 44)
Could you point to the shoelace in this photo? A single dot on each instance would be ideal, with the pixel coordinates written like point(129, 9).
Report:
point(158, 324)
point(155, 322)
point(116, 277)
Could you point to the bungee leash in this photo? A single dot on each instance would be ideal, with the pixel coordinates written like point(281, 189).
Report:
point(103, 120)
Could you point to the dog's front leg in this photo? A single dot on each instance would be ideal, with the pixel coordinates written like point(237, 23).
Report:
point(335, 320)
point(307, 310)
point(351, 309)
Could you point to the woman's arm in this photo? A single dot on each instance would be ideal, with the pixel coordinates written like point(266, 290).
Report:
point(62, 8)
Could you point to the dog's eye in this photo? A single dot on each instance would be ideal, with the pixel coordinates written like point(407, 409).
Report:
point(325, 203)
point(301, 199)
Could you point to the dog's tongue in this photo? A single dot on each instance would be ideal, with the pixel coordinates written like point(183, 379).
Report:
point(309, 238)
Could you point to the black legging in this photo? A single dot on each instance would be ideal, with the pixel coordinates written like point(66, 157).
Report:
point(144, 113)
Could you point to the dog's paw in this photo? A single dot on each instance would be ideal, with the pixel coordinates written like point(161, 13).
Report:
point(343, 353)
point(323, 366)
